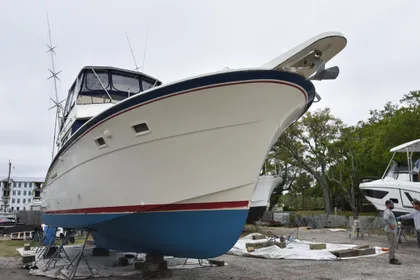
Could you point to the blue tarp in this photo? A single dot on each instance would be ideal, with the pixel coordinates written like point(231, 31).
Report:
point(49, 235)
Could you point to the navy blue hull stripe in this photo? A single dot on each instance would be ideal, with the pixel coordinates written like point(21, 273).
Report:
point(188, 86)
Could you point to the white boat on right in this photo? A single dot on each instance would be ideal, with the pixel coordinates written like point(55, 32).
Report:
point(399, 183)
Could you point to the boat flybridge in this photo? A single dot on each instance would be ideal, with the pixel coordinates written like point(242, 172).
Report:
point(96, 89)
point(399, 183)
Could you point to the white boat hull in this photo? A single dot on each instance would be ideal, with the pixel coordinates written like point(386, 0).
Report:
point(261, 198)
point(183, 163)
point(264, 189)
point(400, 192)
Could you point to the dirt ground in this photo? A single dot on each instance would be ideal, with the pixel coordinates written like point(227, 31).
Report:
point(246, 268)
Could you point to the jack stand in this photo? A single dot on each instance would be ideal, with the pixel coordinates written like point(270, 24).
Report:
point(37, 240)
point(200, 262)
point(76, 261)
point(400, 233)
point(155, 267)
point(57, 254)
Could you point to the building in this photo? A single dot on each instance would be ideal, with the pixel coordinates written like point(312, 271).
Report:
point(23, 192)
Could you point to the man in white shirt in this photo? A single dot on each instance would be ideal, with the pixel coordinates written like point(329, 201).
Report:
point(415, 216)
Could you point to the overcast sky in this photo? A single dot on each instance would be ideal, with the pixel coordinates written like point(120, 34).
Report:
point(379, 64)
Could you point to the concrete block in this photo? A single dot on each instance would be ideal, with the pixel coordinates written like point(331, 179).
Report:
point(258, 237)
point(345, 253)
point(28, 259)
point(318, 246)
point(368, 251)
point(27, 247)
point(100, 252)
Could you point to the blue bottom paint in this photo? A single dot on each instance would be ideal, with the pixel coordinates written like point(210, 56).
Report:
point(193, 234)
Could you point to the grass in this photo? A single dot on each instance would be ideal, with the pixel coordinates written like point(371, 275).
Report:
point(8, 247)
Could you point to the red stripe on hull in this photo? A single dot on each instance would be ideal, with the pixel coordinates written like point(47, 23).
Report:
point(154, 208)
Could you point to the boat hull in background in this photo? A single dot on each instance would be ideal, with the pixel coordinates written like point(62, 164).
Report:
point(261, 197)
point(401, 193)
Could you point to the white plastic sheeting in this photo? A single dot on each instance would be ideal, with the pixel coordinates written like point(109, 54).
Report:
point(295, 250)
point(101, 266)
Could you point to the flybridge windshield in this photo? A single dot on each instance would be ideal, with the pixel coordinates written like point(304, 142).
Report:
point(97, 86)
point(109, 86)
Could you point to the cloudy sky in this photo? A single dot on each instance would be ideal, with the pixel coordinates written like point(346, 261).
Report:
point(379, 64)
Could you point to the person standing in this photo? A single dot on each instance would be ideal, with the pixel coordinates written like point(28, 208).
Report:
point(391, 229)
point(415, 216)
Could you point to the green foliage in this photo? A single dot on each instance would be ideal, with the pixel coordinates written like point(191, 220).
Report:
point(322, 158)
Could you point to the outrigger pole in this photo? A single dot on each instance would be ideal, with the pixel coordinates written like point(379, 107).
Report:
point(54, 75)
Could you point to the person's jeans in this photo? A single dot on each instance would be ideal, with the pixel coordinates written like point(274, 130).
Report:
point(418, 237)
point(392, 244)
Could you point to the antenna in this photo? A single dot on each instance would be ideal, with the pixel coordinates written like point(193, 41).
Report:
point(54, 75)
point(145, 48)
point(135, 63)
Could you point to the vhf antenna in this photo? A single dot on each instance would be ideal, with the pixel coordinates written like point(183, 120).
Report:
point(134, 58)
point(54, 75)
point(132, 53)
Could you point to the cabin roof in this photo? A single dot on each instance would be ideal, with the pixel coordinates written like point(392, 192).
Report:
point(412, 146)
point(117, 69)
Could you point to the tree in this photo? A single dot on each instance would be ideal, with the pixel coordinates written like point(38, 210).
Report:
point(306, 145)
point(301, 184)
point(345, 170)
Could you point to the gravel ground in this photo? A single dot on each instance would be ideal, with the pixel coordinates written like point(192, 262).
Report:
point(246, 268)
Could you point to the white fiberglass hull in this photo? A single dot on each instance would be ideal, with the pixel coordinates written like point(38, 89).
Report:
point(264, 189)
point(184, 163)
point(400, 192)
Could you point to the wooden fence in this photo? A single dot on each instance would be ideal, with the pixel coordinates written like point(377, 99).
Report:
point(29, 217)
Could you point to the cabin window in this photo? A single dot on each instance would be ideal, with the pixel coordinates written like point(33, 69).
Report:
point(146, 84)
point(394, 200)
point(126, 83)
point(119, 85)
point(92, 82)
point(375, 193)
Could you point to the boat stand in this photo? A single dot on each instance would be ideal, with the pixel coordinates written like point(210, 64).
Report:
point(400, 233)
point(76, 261)
point(57, 253)
point(200, 262)
point(155, 267)
point(45, 251)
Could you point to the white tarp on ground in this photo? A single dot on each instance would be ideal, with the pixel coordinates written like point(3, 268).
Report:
point(101, 266)
point(295, 250)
